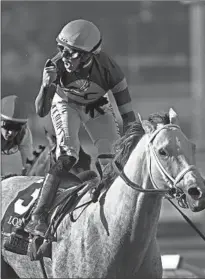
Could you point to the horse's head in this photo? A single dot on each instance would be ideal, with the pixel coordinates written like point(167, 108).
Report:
point(171, 161)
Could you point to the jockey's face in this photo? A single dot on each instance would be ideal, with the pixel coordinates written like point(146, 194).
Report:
point(9, 130)
point(71, 58)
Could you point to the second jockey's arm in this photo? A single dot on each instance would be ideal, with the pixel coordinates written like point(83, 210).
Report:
point(44, 99)
point(26, 148)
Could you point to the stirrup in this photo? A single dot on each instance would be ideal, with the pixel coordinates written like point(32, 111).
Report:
point(35, 232)
point(32, 224)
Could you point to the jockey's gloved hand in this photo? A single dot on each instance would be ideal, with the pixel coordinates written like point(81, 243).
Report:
point(90, 108)
point(126, 127)
point(49, 73)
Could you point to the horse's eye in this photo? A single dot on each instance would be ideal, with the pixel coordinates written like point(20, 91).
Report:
point(163, 152)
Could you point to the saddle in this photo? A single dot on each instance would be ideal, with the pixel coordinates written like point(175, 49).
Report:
point(67, 200)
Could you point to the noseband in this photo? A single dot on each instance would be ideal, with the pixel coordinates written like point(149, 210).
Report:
point(172, 190)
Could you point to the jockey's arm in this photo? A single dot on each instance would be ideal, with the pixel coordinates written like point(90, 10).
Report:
point(44, 99)
point(124, 104)
point(26, 147)
point(50, 78)
point(119, 88)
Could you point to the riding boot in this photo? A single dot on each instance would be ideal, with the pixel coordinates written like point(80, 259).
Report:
point(38, 223)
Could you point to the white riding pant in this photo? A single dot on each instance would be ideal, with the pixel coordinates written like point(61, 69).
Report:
point(67, 118)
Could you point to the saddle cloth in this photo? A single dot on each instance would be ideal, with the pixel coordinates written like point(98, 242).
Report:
point(14, 238)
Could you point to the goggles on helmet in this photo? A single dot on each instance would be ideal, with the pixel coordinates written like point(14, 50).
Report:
point(70, 53)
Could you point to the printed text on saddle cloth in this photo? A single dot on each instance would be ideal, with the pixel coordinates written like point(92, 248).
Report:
point(19, 206)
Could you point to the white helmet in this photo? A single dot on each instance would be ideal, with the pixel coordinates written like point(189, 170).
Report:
point(14, 109)
point(81, 34)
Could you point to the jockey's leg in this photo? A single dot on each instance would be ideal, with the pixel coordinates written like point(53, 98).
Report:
point(38, 224)
point(103, 132)
point(66, 123)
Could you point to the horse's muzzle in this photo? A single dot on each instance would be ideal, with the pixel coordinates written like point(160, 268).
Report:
point(194, 188)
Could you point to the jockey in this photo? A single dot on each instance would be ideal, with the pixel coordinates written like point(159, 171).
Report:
point(74, 85)
point(15, 133)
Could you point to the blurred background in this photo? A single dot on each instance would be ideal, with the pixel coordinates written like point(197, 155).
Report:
point(160, 46)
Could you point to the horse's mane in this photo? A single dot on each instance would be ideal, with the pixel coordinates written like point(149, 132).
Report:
point(125, 145)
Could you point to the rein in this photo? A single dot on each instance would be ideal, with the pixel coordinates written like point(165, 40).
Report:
point(119, 170)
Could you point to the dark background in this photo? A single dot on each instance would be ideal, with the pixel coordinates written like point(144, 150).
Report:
point(151, 33)
point(149, 40)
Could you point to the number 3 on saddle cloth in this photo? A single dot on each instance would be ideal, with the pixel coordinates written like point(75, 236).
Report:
point(16, 240)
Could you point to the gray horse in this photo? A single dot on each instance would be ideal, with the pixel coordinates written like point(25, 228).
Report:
point(116, 238)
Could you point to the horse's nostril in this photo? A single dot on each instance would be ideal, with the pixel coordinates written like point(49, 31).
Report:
point(194, 192)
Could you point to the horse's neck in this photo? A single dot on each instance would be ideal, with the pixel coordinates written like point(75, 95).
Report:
point(132, 214)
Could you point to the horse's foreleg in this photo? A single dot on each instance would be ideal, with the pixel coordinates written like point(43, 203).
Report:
point(7, 271)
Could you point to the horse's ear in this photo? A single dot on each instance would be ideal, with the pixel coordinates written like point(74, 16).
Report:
point(147, 126)
point(173, 117)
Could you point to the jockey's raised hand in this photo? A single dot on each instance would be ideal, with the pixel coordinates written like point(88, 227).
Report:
point(47, 90)
point(49, 73)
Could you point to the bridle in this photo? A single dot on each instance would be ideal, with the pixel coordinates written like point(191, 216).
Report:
point(172, 191)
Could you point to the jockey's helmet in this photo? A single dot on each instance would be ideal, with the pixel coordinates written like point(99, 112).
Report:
point(81, 35)
point(13, 109)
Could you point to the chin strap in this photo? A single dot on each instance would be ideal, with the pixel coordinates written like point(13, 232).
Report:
point(88, 62)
